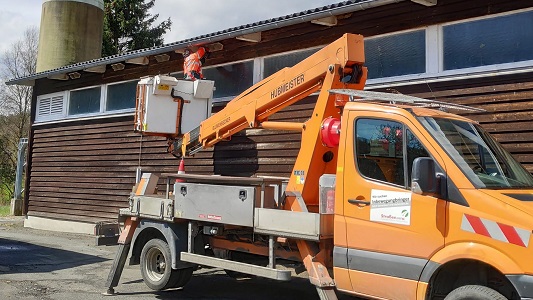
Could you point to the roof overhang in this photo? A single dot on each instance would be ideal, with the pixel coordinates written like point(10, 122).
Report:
point(250, 32)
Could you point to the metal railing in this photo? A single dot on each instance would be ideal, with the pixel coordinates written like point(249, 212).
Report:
point(21, 163)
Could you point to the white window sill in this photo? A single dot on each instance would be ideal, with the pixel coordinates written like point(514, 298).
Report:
point(107, 115)
point(451, 75)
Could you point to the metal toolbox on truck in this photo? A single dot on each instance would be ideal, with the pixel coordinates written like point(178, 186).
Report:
point(152, 207)
point(225, 204)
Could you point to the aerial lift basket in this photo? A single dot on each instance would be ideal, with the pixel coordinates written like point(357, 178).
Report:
point(166, 106)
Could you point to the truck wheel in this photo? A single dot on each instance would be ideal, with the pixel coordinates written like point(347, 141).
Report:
point(156, 267)
point(238, 275)
point(474, 292)
point(234, 256)
point(181, 276)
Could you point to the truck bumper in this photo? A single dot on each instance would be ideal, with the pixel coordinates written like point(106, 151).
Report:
point(523, 285)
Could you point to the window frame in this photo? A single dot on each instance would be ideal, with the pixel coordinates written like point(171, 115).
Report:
point(471, 20)
point(50, 117)
point(105, 99)
point(405, 163)
point(424, 29)
point(67, 114)
point(263, 58)
point(66, 117)
point(355, 147)
point(435, 59)
point(229, 98)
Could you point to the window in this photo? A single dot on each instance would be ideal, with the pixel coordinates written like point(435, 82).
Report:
point(121, 96)
point(395, 55)
point(178, 75)
point(484, 162)
point(434, 53)
point(118, 98)
point(276, 63)
point(50, 106)
point(491, 41)
point(470, 48)
point(84, 101)
point(379, 150)
point(230, 80)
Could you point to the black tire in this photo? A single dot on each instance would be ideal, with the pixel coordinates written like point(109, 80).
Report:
point(474, 292)
point(238, 275)
point(156, 267)
point(182, 277)
point(240, 257)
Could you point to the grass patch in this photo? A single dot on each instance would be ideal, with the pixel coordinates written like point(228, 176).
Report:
point(4, 210)
point(5, 196)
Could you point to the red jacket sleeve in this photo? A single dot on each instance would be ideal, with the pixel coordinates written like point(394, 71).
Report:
point(201, 52)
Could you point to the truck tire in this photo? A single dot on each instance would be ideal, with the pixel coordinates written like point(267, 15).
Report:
point(156, 267)
point(474, 292)
point(182, 277)
point(235, 256)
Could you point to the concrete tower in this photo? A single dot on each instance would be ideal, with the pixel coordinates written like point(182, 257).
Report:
point(71, 31)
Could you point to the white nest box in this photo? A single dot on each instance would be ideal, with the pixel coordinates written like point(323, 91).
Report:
point(170, 107)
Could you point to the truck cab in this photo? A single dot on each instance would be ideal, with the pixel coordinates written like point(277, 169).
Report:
point(429, 206)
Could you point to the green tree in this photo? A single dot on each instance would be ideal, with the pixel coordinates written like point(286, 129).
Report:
point(7, 171)
point(15, 101)
point(128, 26)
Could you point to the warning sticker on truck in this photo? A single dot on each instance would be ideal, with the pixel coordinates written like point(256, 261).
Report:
point(390, 207)
point(300, 176)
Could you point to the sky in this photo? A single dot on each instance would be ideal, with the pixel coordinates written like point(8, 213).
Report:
point(189, 18)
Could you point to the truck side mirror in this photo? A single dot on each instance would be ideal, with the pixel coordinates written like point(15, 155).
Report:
point(424, 178)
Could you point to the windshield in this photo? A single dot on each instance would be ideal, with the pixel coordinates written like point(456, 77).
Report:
point(480, 157)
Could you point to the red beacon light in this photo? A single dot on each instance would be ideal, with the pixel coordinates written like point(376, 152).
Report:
point(330, 132)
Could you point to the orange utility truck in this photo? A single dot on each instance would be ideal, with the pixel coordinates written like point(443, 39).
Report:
point(390, 197)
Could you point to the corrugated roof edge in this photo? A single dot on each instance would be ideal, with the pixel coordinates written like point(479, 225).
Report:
point(299, 17)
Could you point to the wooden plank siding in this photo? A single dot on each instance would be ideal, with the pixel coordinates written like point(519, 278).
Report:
point(257, 152)
point(88, 169)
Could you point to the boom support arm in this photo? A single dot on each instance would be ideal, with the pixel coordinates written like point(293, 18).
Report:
point(339, 65)
point(287, 86)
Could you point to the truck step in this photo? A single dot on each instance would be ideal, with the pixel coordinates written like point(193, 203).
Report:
point(281, 275)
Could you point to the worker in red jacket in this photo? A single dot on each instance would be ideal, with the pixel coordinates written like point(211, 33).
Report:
point(192, 63)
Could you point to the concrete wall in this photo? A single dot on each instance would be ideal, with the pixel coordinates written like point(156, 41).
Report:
point(71, 31)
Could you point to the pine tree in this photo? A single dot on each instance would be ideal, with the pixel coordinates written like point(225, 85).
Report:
point(128, 26)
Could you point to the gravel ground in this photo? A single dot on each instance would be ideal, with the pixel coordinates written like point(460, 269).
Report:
point(36, 264)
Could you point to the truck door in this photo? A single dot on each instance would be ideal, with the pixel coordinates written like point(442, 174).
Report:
point(391, 232)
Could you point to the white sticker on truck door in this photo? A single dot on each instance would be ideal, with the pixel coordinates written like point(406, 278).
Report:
point(390, 207)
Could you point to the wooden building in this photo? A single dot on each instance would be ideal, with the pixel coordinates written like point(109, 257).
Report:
point(83, 153)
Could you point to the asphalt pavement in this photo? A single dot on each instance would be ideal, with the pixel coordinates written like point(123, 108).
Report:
point(37, 264)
